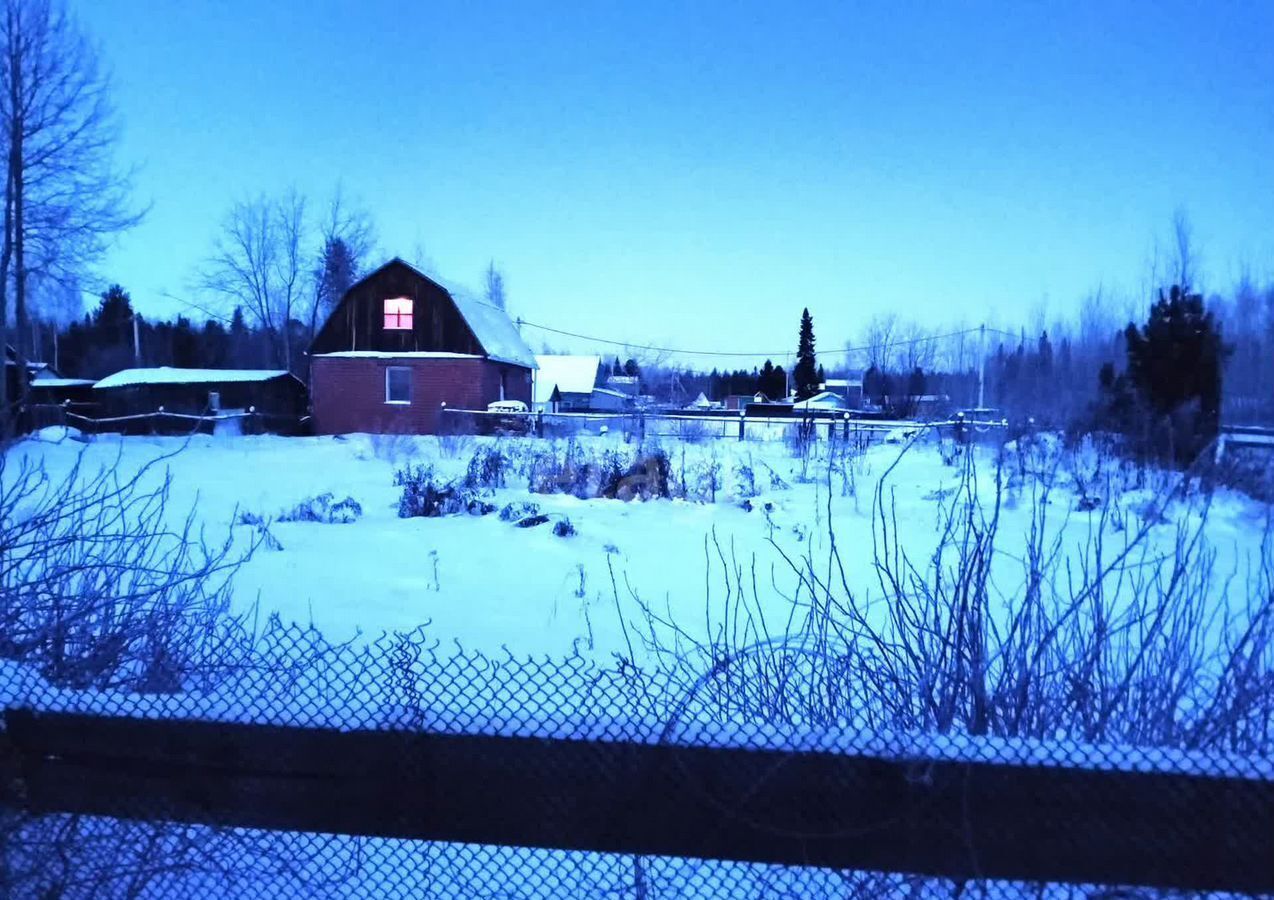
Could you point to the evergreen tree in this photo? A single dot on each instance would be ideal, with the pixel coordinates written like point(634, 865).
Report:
point(1174, 363)
point(916, 383)
point(874, 385)
point(805, 375)
point(337, 270)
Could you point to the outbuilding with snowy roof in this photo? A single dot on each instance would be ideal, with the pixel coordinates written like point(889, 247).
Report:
point(276, 396)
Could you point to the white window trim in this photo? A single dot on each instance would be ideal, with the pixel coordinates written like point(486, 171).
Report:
point(406, 369)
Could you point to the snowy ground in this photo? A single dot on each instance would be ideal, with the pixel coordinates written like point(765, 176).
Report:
point(488, 585)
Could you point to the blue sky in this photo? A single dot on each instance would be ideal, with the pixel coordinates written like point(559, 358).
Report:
point(694, 173)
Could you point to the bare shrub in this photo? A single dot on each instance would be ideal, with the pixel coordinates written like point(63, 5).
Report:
point(101, 588)
point(1116, 641)
point(394, 448)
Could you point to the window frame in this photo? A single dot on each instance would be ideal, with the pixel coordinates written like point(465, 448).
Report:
point(404, 310)
point(388, 375)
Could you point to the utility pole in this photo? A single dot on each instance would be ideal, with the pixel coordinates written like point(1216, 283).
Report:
point(137, 343)
point(982, 366)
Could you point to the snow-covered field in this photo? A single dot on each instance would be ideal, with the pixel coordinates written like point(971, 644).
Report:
point(488, 585)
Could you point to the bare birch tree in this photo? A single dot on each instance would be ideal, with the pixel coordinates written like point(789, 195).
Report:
point(257, 264)
point(64, 197)
point(272, 261)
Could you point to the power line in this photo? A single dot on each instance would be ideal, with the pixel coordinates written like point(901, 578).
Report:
point(740, 353)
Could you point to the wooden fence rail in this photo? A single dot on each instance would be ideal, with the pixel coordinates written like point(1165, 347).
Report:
point(957, 820)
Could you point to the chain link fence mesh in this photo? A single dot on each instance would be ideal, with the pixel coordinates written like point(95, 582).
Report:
point(779, 697)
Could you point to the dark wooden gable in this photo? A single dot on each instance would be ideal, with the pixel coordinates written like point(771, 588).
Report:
point(358, 321)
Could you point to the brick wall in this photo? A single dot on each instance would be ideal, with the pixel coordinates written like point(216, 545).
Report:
point(348, 394)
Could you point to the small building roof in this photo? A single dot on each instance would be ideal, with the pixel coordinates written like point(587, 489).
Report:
point(568, 374)
point(823, 400)
point(52, 382)
point(397, 354)
point(620, 394)
point(168, 375)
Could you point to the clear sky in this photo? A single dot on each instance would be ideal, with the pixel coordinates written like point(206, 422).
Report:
point(696, 172)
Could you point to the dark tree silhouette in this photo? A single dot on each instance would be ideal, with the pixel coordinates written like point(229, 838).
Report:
point(1174, 364)
point(805, 375)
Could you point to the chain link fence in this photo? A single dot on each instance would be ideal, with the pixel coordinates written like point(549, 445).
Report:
point(754, 763)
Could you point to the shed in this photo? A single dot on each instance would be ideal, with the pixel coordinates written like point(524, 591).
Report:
point(273, 393)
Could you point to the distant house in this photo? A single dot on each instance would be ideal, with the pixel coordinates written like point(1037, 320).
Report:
point(45, 386)
point(741, 401)
point(924, 406)
point(201, 392)
point(849, 389)
point(49, 388)
point(629, 385)
point(565, 383)
point(702, 402)
point(821, 402)
point(607, 400)
point(401, 347)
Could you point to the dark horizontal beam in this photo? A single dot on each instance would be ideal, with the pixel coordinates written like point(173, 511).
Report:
point(947, 819)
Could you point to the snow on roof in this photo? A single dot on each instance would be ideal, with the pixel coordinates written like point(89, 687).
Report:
point(569, 374)
point(393, 354)
point(491, 325)
point(619, 394)
point(167, 375)
point(843, 382)
point(824, 400)
point(61, 382)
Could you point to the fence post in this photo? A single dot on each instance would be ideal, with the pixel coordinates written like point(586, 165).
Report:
point(742, 417)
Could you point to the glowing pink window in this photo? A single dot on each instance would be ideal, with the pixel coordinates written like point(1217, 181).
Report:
point(398, 314)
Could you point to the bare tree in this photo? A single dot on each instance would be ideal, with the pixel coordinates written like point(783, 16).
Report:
point(259, 264)
point(64, 198)
point(493, 289)
point(1185, 260)
point(915, 347)
point(879, 338)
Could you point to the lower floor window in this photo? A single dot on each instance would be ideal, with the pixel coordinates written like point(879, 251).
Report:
point(397, 385)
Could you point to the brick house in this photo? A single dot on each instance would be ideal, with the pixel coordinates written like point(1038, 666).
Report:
point(401, 347)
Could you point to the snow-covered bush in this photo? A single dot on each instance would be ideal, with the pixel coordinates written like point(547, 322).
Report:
point(424, 496)
point(324, 508)
point(703, 480)
point(612, 472)
point(487, 468)
point(745, 479)
point(512, 512)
